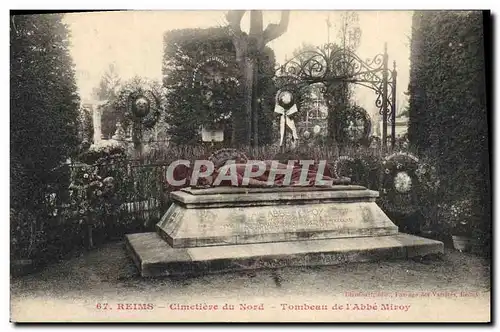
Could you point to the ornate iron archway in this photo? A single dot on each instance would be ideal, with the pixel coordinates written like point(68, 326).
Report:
point(331, 65)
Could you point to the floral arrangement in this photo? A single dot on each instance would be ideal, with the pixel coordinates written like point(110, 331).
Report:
point(400, 186)
point(104, 153)
point(87, 191)
point(427, 176)
point(457, 216)
point(375, 142)
point(141, 100)
point(356, 125)
point(361, 169)
point(343, 166)
point(93, 199)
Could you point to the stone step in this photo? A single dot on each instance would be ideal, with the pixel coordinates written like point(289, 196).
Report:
point(154, 257)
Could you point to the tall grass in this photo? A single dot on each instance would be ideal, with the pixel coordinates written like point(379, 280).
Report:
point(167, 153)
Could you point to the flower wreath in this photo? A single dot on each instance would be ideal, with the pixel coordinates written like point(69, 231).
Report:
point(358, 113)
point(153, 111)
point(400, 185)
point(345, 166)
point(223, 68)
point(220, 157)
point(279, 99)
point(341, 165)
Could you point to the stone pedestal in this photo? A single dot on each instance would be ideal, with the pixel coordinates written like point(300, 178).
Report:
point(228, 229)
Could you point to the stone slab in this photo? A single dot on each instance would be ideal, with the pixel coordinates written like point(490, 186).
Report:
point(185, 227)
point(232, 197)
point(154, 257)
point(253, 190)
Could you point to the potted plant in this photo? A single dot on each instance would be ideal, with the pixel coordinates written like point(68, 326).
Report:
point(458, 218)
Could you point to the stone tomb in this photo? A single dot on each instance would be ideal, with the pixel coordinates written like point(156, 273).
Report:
point(230, 229)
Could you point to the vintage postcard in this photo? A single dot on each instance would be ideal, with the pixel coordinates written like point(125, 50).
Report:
point(250, 166)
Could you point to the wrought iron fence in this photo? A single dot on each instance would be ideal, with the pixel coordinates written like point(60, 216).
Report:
point(73, 214)
point(136, 201)
point(143, 196)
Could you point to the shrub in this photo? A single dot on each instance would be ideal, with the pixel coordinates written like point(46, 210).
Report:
point(44, 113)
point(103, 153)
point(448, 107)
point(44, 103)
point(25, 238)
point(192, 58)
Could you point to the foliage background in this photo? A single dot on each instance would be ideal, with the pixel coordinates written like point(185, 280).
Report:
point(448, 131)
point(448, 106)
point(44, 120)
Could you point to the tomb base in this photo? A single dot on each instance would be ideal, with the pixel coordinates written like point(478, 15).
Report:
point(232, 229)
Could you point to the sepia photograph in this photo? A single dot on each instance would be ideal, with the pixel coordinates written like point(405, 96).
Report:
point(274, 166)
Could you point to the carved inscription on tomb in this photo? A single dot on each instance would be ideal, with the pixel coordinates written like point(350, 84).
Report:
point(206, 219)
point(280, 219)
point(171, 222)
point(311, 216)
point(312, 259)
point(270, 220)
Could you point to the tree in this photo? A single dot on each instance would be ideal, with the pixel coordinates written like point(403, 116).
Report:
point(248, 48)
point(86, 125)
point(44, 105)
point(110, 116)
point(348, 30)
point(108, 85)
point(107, 90)
point(304, 51)
point(204, 85)
point(339, 95)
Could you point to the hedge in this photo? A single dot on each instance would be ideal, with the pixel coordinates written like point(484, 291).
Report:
point(448, 111)
point(185, 52)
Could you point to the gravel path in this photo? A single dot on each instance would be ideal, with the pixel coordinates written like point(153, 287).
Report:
point(98, 285)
